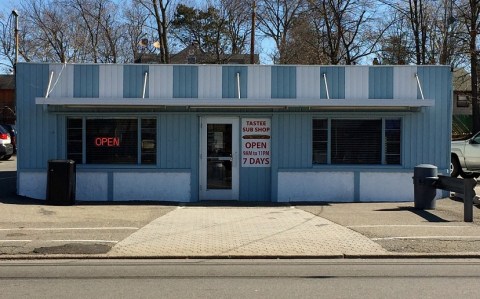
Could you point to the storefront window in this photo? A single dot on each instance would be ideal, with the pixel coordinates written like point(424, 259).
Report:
point(74, 139)
point(356, 141)
point(320, 141)
point(149, 141)
point(112, 140)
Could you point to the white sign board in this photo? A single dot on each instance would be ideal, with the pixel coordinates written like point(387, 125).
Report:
point(256, 142)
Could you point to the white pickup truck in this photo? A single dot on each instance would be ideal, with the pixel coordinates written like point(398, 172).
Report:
point(465, 159)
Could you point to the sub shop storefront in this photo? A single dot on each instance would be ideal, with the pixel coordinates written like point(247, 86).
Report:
point(189, 133)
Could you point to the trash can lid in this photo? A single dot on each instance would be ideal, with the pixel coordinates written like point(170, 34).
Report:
point(66, 161)
point(425, 166)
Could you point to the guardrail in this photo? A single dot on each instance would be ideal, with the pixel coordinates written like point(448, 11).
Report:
point(426, 182)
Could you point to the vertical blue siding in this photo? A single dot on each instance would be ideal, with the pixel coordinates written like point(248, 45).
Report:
point(292, 133)
point(133, 80)
point(255, 184)
point(428, 133)
point(380, 82)
point(229, 81)
point(284, 82)
point(177, 140)
point(85, 82)
point(185, 81)
point(38, 138)
point(335, 80)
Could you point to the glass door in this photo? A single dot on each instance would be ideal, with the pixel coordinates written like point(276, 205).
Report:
point(219, 158)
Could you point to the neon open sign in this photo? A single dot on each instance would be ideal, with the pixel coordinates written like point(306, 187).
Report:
point(107, 142)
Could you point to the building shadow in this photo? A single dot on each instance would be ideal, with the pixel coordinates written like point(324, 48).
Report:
point(425, 214)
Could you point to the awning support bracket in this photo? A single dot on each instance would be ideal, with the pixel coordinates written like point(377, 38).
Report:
point(238, 86)
point(326, 85)
point(145, 77)
point(47, 93)
point(419, 86)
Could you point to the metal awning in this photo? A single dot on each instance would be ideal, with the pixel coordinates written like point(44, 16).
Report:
point(236, 103)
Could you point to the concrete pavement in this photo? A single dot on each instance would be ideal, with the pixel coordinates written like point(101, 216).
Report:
point(31, 229)
point(350, 230)
point(244, 232)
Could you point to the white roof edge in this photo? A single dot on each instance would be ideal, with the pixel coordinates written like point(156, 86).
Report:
point(232, 102)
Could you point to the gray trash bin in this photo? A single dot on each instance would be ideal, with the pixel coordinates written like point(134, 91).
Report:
point(424, 191)
point(61, 181)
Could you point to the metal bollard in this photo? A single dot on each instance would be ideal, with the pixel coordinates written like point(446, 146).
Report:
point(468, 195)
point(424, 176)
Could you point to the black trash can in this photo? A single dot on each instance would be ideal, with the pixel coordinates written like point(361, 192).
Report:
point(423, 188)
point(61, 180)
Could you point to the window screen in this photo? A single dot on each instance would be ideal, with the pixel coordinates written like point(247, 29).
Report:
point(356, 141)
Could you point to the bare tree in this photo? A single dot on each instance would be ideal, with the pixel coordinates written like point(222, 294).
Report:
point(469, 16)
point(53, 28)
point(89, 11)
point(136, 28)
point(420, 16)
point(344, 30)
point(276, 19)
point(305, 41)
point(159, 10)
point(7, 50)
point(395, 45)
point(98, 19)
point(237, 16)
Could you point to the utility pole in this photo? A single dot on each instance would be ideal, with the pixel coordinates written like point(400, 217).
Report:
point(252, 36)
point(15, 14)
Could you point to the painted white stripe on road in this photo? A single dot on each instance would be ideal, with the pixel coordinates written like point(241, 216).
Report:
point(68, 228)
point(405, 225)
point(82, 241)
point(15, 240)
point(65, 241)
point(427, 237)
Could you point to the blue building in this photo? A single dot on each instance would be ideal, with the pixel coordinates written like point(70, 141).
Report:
point(187, 133)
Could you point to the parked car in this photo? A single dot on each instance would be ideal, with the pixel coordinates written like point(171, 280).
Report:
point(6, 147)
point(465, 157)
point(13, 135)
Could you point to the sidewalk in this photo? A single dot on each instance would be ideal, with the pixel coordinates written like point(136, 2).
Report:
point(244, 232)
point(343, 230)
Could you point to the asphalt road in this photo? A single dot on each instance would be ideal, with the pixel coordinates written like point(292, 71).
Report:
point(240, 279)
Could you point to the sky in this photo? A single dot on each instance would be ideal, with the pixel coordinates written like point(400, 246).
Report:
point(6, 6)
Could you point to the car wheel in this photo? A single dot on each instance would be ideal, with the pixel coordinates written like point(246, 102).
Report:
point(5, 158)
point(455, 168)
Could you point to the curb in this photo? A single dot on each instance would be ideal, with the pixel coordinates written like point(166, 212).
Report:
point(215, 257)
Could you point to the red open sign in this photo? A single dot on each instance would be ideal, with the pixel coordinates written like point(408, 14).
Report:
point(107, 141)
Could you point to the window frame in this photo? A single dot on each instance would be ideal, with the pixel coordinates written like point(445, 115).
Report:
point(464, 102)
point(139, 131)
point(383, 161)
